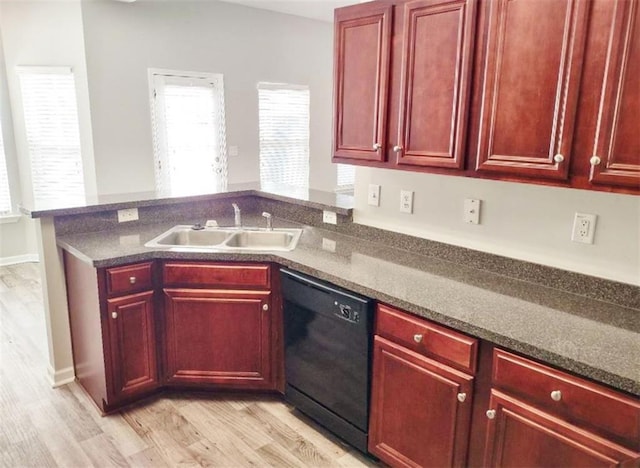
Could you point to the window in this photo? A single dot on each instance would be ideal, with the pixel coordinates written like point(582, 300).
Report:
point(53, 135)
point(5, 194)
point(284, 134)
point(346, 178)
point(187, 114)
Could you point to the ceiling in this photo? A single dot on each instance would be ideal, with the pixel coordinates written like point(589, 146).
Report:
point(314, 9)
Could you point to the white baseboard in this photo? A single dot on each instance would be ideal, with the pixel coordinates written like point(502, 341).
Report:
point(4, 261)
point(61, 377)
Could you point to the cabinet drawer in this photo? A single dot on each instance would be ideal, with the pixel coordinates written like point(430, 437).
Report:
point(429, 339)
point(580, 401)
point(129, 278)
point(207, 274)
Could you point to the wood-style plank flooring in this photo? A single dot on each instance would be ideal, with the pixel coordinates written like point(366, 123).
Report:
point(41, 426)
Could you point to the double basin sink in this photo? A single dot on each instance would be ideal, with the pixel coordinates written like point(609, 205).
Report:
point(228, 239)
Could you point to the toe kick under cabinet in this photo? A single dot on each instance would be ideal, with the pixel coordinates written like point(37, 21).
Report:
point(139, 328)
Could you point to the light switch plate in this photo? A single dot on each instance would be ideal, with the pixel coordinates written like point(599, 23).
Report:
point(374, 195)
point(130, 214)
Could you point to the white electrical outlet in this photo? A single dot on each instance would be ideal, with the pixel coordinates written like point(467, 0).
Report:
point(374, 195)
point(406, 201)
point(130, 214)
point(328, 244)
point(472, 211)
point(329, 217)
point(584, 226)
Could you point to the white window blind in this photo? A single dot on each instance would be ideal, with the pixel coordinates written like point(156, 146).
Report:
point(346, 177)
point(53, 135)
point(189, 132)
point(284, 134)
point(5, 194)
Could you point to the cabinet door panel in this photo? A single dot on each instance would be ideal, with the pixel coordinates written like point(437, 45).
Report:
point(218, 337)
point(416, 417)
point(361, 74)
point(521, 435)
point(532, 73)
point(617, 142)
point(133, 344)
point(437, 46)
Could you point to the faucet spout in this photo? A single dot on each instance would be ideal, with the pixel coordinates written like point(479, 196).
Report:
point(269, 221)
point(237, 215)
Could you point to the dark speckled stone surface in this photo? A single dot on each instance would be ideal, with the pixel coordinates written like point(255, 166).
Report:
point(593, 338)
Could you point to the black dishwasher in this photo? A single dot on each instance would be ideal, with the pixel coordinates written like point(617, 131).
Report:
point(328, 333)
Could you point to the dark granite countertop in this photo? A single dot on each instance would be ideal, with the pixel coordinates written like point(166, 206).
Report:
point(340, 203)
point(592, 338)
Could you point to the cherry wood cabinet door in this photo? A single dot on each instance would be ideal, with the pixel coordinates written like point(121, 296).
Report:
point(361, 75)
point(132, 340)
point(434, 104)
point(532, 66)
point(420, 410)
point(218, 337)
point(616, 152)
point(522, 435)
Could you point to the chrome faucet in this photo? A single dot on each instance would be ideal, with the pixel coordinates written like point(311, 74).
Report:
point(237, 215)
point(269, 221)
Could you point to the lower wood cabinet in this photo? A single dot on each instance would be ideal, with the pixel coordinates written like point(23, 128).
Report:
point(523, 435)
point(220, 337)
point(133, 367)
point(421, 408)
point(541, 417)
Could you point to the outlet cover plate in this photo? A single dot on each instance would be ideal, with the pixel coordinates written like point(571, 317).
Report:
point(130, 214)
point(472, 211)
point(373, 197)
point(329, 217)
point(584, 227)
point(406, 201)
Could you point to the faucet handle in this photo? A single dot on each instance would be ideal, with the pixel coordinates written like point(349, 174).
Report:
point(269, 220)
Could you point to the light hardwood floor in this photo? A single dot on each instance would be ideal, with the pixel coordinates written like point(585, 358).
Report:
point(41, 426)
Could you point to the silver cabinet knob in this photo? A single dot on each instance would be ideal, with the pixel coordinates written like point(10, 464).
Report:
point(462, 397)
point(114, 315)
point(556, 395)
point(397, 148)
point(558, 158)
point(377, 146)
point(595, 160)
point(132, 279)
point(265, 307)
point(417, 337)
point(491, 413)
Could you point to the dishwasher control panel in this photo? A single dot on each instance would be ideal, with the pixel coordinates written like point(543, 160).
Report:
point(347, 313)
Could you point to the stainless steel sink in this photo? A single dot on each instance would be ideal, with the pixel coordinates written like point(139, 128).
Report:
point(263, 240)
point(216, 239)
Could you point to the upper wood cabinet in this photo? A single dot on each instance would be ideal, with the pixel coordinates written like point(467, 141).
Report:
point(437, 44)
point(531, 77)
point(412, 110)
point(361, 74)
point(616, 146)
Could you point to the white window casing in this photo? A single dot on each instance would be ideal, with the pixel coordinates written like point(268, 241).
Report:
point(189, 132)
point(5, 193)
point(53, 137)
point(284, 134)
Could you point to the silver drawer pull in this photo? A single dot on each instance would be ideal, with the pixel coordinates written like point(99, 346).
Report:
point(397, 148)
point(417, 337)
point(376, 146)
point(558, 158)
point(556, 395)
point(595, 160)
point(462, 397)
point(491, 413)
point(265, 307)
point(114, 315)
point(132, 279)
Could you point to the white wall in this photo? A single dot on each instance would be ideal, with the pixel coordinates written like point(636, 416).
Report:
point(46, 34)
point(523, 221)
point(123, 40)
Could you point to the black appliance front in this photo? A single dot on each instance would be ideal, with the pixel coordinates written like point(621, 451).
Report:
point(327, 354)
